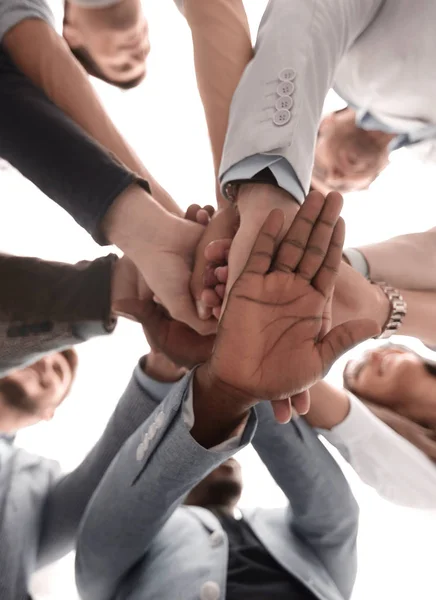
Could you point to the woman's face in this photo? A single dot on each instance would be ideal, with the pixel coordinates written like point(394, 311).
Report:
point(389, 376)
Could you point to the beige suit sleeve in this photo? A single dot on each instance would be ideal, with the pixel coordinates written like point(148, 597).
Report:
point(298, 50)
point(407, 261)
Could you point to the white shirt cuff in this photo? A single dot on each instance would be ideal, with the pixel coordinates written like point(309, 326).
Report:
point(357, 261)
point(279, 166)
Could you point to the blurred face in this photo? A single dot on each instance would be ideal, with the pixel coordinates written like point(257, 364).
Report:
point(347, 158)
point(392, 376)
point(222, 487)
point(33, 394)
point(115, 38)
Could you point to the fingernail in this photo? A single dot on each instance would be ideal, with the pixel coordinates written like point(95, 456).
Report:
point(202, 310)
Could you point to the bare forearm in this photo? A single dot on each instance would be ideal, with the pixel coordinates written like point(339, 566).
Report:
point(420, 321)
point(222, 50)
point(44, 57)
point(406, 261)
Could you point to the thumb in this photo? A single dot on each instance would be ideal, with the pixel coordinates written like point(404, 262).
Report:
point(343, 337)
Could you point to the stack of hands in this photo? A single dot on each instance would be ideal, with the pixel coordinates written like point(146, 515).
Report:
point(259, 322)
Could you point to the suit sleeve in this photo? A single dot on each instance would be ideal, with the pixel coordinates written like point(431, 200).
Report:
point(39, 140)
point(47, 306)
point(159, 464)
point(322, 511)
point(70, 494)
point(277, 106)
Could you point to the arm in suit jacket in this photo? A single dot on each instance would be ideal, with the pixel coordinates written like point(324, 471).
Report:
point(148, 479)
point(323, 511)
point(299, 45)
point(43, 510)
point(69, 495)
point(44, 57)
point(406, 261)
point(46, 146)
point(47, 306)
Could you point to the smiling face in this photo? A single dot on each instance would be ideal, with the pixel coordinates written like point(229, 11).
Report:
point(222, 487)
point(395, 377)
point(347, 158)
point(111, 42)
point(33, 394)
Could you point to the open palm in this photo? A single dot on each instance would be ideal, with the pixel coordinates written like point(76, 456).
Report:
point(273, 341)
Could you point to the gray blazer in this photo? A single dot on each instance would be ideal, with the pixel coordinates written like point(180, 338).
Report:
point(40, 509)
point(378, 54)
point(135, 544)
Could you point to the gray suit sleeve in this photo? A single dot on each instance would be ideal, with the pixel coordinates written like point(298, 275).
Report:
point(70, 494)
point(323, 511)
point(277, 106)
point(139, 493)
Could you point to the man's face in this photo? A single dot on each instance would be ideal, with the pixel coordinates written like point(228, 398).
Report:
point(222, 487)
point(391, 376)
point(33, 394)
point(115, 38)
point(347, 158)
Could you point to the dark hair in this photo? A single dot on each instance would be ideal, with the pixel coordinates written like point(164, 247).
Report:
point(91, 67)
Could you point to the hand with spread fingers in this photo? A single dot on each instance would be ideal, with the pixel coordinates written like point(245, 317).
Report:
point(273, 341)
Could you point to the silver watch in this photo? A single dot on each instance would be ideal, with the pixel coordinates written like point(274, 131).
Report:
point(398, 309)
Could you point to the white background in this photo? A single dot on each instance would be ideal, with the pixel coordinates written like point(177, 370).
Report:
point(163, 120)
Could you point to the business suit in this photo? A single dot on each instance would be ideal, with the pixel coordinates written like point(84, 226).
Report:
point(47, 306)
point(40, 510)
point(379, 56)
point(181, 553)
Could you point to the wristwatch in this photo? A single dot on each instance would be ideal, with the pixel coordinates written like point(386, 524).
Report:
point(398, 309)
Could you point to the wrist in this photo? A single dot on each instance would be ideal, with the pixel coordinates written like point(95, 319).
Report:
point(134, 216)
point(382, 307)
point(263, 196)
point(219, 409)
point(160, 368)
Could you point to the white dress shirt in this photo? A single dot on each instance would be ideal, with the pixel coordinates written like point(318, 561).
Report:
point(383, 459)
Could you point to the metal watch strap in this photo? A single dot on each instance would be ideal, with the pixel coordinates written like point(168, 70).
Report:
point(398, 309)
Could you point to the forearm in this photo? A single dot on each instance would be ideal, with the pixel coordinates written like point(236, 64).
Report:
point(420, 319)
point(407, 261)
point(356, 298)
point(47, 305)
point(137, 496)
point(44, 57)
point(222, 50)
point(54, 153)
point(69, 497)
point(323, 511)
